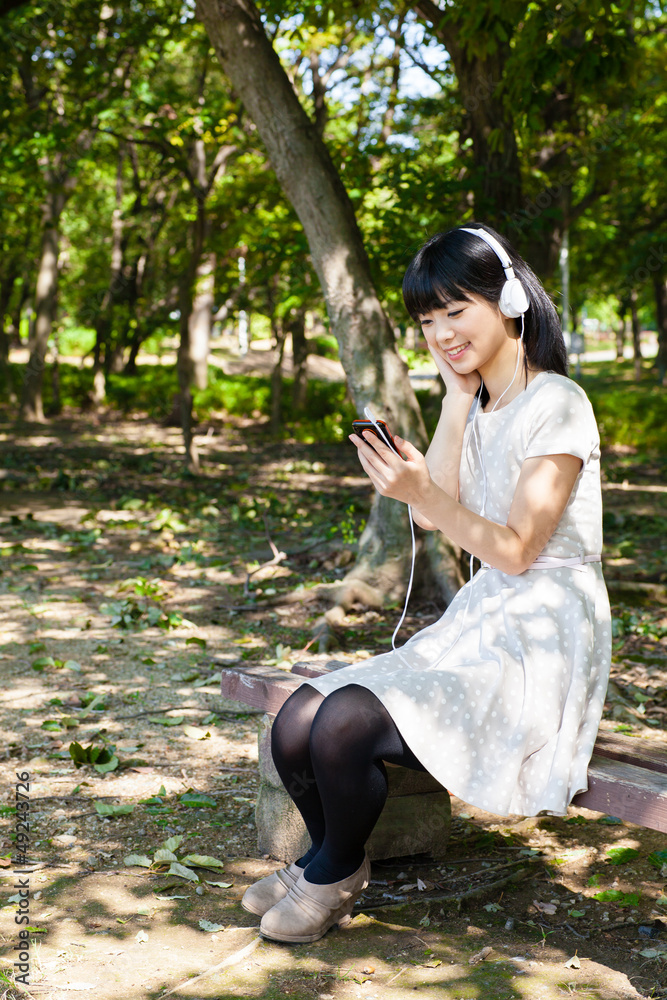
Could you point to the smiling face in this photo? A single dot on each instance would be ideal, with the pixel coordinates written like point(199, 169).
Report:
point(472, 335)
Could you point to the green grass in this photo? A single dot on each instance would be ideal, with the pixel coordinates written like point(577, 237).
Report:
point(326, 417)
point(628, 412)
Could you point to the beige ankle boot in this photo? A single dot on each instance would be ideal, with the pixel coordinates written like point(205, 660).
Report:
point(262, 895)
point(308, 911)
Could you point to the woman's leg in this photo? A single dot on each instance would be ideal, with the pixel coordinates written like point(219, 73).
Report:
point(352, 733)
point(290, 748)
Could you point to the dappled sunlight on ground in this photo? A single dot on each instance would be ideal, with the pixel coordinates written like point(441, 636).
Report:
point(124, 589)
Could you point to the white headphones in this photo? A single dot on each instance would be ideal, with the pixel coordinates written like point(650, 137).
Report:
point(513, 300)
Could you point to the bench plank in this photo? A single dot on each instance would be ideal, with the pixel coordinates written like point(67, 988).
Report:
point(627, 791)
point(651, 756)
point(258, 686)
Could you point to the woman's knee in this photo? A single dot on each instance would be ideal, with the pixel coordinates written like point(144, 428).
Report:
point(350, 717)
point(291, 728)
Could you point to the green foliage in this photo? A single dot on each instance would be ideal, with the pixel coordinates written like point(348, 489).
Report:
point(618, 897)
point(101, 758)
point(621, 855)
point(659, 860)
point(628, 412)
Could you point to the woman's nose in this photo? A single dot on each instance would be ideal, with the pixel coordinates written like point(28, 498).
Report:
point(443, 333)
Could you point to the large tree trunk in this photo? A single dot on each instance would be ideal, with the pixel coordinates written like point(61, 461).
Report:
point(375, 373)
point(488, 121)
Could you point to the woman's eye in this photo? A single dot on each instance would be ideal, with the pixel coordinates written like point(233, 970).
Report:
point(457, 312)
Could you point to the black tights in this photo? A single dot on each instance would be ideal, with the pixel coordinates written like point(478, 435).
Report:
point(329, 753)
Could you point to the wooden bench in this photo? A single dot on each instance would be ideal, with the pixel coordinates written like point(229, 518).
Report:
point(627, 778)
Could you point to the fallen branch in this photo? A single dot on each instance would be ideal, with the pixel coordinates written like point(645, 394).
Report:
point(232, 959)
point(277, 558)
point(451, 897)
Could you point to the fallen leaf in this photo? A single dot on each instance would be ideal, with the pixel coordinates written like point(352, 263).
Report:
point(163, 855)
point(548, 908)
point(173, 842)
point(183, 872)
point(220, 885)
point(137, 859)
point(141, 937)
point(201, 861)
point(197, 800)
point(195, 733)
point(616, 896)
point(210, 928)
point(621, 855)
point(105, 809)
point(573, 963)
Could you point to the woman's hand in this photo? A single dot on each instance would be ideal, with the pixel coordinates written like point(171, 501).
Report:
point(465, 385)
point(402, 478)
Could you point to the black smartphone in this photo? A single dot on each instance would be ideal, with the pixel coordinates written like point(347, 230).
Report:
point(359, 426)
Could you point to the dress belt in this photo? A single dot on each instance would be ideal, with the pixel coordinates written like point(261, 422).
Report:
point(555, 562)
point(547, 562)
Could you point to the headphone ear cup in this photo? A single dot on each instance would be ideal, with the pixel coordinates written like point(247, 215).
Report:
point(513, 299)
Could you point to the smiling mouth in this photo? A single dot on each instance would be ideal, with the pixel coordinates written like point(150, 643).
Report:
point(458, 350)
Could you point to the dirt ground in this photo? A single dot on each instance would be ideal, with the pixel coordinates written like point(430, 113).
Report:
point(124, 588)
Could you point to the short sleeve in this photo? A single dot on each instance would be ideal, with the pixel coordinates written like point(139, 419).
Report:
point(562, 422)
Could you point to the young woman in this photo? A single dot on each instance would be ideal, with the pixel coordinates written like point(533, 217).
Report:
point(501, 698)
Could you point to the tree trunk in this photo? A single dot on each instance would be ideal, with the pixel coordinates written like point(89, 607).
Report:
point(620, 332)
point(660, 290)
point(105, 315)
point(45, 310)
point(201, 319)
point(14, 331)
point(185, 369)
point(279, 329)
point(636, 330)
point(6, 289)
point(296, 326)
point(189, 361)
point(56, 401)
point(375, 373)
point(489, 121)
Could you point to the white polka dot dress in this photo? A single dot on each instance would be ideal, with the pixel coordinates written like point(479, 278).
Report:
point(501, 698)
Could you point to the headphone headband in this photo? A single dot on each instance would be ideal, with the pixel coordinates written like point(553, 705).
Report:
point(500, 252)
point(514, 301)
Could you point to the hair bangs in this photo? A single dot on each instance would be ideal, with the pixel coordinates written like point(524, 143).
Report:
point(431, 282)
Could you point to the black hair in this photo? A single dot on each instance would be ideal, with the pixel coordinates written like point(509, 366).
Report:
point(452, 266)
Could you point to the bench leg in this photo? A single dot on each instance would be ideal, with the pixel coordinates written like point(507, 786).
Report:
point(415, 819)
